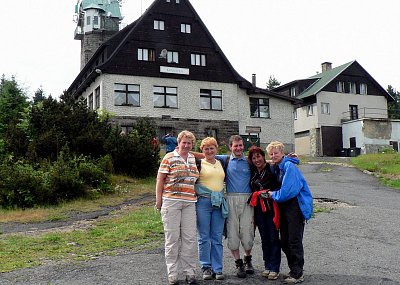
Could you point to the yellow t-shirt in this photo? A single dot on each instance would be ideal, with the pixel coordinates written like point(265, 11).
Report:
point(212, 175)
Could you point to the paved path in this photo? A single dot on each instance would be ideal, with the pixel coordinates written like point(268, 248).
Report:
point(356, 244)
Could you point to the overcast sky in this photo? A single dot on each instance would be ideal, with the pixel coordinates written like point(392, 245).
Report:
point(288, 39)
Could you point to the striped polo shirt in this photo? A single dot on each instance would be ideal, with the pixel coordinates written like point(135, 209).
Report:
point(181, 177)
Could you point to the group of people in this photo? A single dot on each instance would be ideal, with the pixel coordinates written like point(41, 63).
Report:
point(203, 196)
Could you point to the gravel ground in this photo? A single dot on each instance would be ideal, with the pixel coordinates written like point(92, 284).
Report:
point(357, 242)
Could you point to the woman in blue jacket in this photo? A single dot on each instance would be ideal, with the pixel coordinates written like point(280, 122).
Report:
point(296, 206)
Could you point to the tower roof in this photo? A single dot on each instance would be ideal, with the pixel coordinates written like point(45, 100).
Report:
point(108, 6)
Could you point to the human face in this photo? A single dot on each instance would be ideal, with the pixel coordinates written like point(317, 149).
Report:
point(185, 145)
point(258, 161)
point(276, 155)
point(237, 148)
point(209, 152)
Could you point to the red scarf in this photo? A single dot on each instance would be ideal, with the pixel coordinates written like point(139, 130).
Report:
point(256, 196)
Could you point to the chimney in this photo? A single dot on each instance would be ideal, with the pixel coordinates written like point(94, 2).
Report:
point(326, 66)
point(253, 79)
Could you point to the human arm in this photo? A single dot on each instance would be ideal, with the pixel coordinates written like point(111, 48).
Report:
point(198, 155)
point(291, 184)
point(159, 188)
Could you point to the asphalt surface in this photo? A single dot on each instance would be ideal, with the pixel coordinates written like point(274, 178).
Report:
point(356, 243)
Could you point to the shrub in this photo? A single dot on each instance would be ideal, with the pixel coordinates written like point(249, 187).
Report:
point(23, 186)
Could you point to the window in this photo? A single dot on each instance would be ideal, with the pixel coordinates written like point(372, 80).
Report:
point(363, 89)
point(146, 54)
point(352, 87)
point(172, 57)
point(353, 109)
point(210, 99)
point(186, 28)
point(95, 20)
point(325, 109)
point(293, 92)
point(165, 97)
point(198, 59)
point(97, 98)
point(90, 101)
point(340, 87)
point(259, 108)
point(310, 110)
point(88, 20)
point(126, 130)
point(159, 25)
point(295, 114)
point(177, 1)
point(126, 94)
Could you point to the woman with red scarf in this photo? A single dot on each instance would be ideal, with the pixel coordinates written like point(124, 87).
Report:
point(266, 212)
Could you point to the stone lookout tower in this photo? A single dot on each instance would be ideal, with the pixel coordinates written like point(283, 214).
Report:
point(97, 21)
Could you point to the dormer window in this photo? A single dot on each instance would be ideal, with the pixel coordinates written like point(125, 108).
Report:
point(186, 28)
point(340, 87)
point(293, 92)
point(159, 25)
point(145, 54)
point(352, 87)
point(363, 89)
point(198, 59)
point(172, 57)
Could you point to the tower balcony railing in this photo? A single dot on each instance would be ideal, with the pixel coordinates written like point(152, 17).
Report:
point(78, 34)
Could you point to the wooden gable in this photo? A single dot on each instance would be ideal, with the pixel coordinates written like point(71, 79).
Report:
point(141, 34)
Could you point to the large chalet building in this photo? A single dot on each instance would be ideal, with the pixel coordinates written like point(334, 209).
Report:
point(166, 66)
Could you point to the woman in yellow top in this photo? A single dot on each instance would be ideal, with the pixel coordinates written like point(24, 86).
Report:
point(211, 210)
point(176, 198)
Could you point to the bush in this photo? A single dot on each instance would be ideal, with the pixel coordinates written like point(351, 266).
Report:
point(23, 186)
point(134, 154)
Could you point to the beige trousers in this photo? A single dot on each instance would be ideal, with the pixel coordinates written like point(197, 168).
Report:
point(179, 219)
point(240, 222)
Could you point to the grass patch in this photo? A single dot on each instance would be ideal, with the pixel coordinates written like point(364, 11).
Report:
point(384, 165)
point(138, 229)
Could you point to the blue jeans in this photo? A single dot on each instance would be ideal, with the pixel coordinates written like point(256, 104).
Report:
point(270, 242)
point(210, 226)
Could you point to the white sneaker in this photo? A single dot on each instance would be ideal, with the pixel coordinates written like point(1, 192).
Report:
point(265, 273)
point(273, 275)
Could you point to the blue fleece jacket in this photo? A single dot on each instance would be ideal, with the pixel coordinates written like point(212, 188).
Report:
point(294, 185)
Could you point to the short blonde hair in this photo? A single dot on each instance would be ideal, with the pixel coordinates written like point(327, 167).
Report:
point(208, 141)
point(187, 135)
point(275, 145)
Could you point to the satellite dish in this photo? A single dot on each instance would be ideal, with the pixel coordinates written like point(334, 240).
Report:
point(163, 53)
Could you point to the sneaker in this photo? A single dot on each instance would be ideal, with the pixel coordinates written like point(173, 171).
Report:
point(292, 280)
point(240, 271)
point(191, 280)
point(273, 275)
point(172, 280)
point(219, 276)
point(265, 273)
point(248, 264)
point(207, 273)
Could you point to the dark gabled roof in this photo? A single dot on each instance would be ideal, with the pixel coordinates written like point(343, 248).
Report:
point(88, 74)
point(324, 78)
